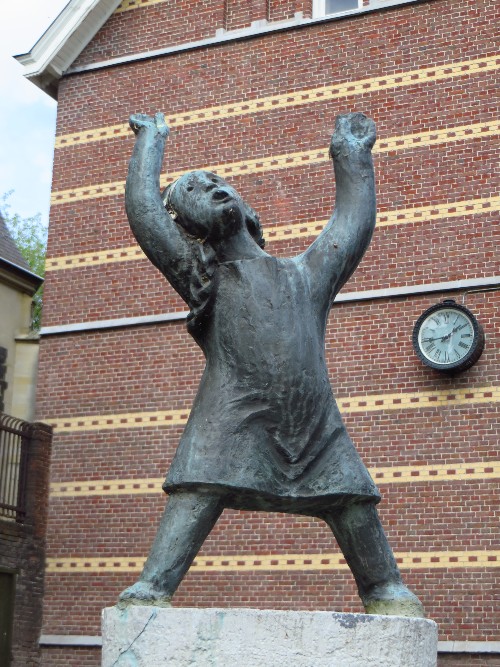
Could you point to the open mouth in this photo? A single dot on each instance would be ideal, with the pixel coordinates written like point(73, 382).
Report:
point(221, 196)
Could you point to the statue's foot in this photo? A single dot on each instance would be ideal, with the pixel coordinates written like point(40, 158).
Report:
point(143, 593)
point(393, 599)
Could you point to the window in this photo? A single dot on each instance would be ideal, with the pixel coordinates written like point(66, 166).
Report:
point(324, 7)
point(15, 441)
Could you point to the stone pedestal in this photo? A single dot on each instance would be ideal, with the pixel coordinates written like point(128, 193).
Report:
point(170, 637)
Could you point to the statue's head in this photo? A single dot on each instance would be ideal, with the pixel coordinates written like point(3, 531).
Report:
point(207, 207)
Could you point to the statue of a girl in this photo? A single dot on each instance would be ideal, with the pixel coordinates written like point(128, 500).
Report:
point(264, 432)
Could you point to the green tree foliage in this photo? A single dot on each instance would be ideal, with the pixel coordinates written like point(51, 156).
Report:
point(30, 236)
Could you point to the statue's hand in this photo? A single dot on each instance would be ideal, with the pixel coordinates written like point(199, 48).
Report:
point(354, 133)
point(157, 124)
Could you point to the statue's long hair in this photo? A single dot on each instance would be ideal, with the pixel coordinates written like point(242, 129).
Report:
point(205, 256)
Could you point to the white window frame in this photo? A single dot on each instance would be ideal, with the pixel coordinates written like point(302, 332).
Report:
point(319, 9)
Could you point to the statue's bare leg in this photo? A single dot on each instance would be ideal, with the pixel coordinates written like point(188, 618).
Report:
point(186, 522)
point(360, 536)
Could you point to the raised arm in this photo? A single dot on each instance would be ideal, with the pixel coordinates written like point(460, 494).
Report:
point(332, 258)
point(157, 234)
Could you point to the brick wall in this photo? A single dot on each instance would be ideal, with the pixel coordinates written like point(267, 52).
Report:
point(464, 660)
point(171, 23)
point(77, 656)
point(22, 551)
point(91, 657)
point(426, 73)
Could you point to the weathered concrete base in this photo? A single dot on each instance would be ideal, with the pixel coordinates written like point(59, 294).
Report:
point(168, 637)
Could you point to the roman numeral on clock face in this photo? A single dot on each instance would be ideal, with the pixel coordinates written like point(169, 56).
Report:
point(447, 337)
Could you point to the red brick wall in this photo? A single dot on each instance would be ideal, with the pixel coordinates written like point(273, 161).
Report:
point(464, 660)
point(84, 657)
point(240, 13)
point(280, 10)
point(171, 23)
point(369, 351)
point(160, 25)
point(74, 657)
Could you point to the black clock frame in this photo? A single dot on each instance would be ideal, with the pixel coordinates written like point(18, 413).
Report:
point(472, 355)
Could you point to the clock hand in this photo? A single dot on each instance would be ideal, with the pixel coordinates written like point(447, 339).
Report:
point(449, 335)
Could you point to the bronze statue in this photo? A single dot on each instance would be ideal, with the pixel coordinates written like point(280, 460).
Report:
point(264, 432)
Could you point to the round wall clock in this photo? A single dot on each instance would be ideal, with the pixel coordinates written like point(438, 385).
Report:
point(447, 337)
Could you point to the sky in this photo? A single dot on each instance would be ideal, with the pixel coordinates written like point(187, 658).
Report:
point(27, 115)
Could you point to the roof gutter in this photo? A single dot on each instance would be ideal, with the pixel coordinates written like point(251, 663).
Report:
point(63, 41)
point(18, 277)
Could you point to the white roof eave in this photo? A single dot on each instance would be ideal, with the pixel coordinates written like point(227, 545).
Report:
point(64, 40)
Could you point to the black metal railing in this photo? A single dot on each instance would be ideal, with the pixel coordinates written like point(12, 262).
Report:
point(15, 440)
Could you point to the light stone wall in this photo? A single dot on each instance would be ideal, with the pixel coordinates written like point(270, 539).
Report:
point(142, 636)
point(22, 351)
point(25, 375)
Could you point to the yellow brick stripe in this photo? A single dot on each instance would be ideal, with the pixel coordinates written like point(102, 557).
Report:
point(297, 98)
point(94, 258)
point(423, 399)
point(127, 5)
point(477, 470)
point(365, 403)
point(301, 229)
point(391, 218)
point(121, 420)
point(291, 160)
point(438, 211)
point(103, 487)
point(419, 560)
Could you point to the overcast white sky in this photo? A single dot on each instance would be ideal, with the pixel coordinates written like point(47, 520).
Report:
point(27, 115)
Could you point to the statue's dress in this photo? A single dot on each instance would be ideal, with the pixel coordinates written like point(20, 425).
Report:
point(265, 430)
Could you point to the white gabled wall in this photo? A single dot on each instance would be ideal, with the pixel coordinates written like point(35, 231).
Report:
point(64, 40)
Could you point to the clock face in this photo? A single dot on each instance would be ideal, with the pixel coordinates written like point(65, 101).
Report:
point(448, 337)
